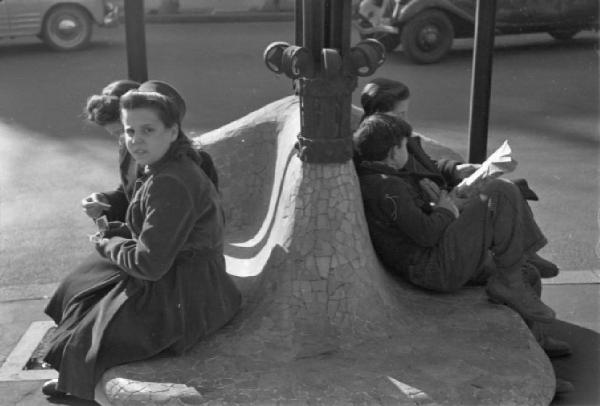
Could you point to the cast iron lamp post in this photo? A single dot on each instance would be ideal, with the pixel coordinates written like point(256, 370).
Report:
point(325, 69)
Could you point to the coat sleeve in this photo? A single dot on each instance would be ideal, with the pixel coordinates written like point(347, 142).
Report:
point(425, 229)
point(168, 220)
point(447, 167)
point(118, 204)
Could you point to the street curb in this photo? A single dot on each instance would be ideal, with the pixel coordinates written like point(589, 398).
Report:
point(219, 17)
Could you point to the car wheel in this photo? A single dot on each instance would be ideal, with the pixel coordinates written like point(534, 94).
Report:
point(428, 36)
point(67, 28)
point(563, 35)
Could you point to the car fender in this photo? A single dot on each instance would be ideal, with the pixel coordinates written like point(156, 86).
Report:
point(415, 7)
point(94, 8)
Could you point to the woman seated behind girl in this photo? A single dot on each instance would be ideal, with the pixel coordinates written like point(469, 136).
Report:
point(103, 110)
point(166, 285)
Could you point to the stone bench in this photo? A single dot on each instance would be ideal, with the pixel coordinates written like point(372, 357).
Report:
point(322, 322)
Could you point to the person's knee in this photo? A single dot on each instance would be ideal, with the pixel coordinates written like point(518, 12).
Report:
point(504, 187)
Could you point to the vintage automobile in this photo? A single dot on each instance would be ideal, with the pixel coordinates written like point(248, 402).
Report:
point(65, 25)
point(426, 28)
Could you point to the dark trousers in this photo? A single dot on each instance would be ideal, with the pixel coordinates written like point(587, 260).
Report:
point(498, 221)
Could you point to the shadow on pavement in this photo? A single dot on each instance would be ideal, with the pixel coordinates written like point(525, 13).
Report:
point(582, 368)
point(71, 401)
point(20, 47)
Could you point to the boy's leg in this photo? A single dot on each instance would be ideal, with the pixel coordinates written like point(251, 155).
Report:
point(501, 222)
point(514, 233)
point(459, 255)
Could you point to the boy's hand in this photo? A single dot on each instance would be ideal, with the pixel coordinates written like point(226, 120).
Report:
point(431, 188)
point(465, 170)
point(448, 203)
point(460, 201)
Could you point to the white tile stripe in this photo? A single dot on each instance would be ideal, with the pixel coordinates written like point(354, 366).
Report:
point(574, 278)
point(12, 369)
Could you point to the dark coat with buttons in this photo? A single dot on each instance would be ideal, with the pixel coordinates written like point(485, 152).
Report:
point(159, 290)
point(403, 226)
point(129, 172)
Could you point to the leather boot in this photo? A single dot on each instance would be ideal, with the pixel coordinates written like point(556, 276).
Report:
point(50, 388)
point(509, 286)
point(533, 278)
point(546, 268)
point(555, 348)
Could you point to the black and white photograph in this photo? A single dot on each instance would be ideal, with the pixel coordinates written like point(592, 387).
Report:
point(299, 202)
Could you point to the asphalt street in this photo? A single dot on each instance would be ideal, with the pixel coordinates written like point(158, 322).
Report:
point(544, 102)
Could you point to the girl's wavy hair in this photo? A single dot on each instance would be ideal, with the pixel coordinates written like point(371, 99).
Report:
point(104, 108)
point(380, 95)
point(169, 111)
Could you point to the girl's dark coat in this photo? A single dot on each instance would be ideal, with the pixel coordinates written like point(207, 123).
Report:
point(158, 291)
point(129, 172)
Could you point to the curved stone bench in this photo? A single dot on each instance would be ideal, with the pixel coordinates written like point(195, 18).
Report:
point(322, 322)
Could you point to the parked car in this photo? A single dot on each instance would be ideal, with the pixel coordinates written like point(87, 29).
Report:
point(65, 25)
point(426, 28)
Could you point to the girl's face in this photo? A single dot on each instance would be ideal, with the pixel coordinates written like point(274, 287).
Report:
point(400, 109)
point(146, 137)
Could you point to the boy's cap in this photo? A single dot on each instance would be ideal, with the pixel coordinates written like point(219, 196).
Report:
point(167, 90)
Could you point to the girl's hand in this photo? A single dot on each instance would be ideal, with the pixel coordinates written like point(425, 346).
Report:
point(94, 205)
point(100, 245)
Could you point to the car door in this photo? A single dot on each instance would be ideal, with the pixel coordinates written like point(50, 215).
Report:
point(25, 16)
point(544, 12)
point(4, 27)
point(579, 11)
point(512, 13)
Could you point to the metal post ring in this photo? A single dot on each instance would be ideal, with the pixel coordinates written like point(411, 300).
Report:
point(374, 49)
point(362, 65)
point(273, 56)
point(297, 62)
point(378, 46)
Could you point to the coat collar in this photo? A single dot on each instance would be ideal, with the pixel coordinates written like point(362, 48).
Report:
point(176, 151)
point(374, 167)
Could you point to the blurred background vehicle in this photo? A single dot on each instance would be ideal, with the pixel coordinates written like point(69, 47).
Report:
point(65, 25)
point(427, 28)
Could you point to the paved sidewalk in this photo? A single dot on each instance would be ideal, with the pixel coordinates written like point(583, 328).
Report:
point(576, 304)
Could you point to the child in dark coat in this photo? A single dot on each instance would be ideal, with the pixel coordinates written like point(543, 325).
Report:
point(436, 239)
point(391, 97)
